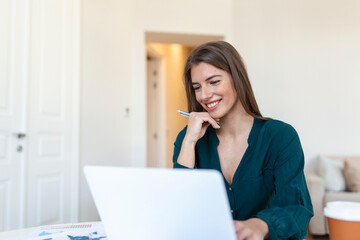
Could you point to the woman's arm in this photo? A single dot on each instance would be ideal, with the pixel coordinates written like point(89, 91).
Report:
point(198, 123)
point(187, 154)
point(290, 209)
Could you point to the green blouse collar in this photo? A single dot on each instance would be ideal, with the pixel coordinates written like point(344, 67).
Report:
point(252, 136)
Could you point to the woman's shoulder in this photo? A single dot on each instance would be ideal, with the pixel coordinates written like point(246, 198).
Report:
point(274, 127)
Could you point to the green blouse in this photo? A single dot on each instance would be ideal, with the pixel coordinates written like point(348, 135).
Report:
point(269, 182)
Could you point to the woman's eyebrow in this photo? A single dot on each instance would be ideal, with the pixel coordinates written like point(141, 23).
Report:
point(209, 78)
point(212, 76)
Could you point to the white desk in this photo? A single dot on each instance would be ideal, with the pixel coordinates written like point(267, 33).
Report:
point(25, 232)
point(16, 233)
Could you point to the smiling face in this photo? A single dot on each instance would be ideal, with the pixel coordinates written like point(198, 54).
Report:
point(214, 90)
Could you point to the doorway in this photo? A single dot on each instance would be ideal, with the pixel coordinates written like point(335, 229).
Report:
point(166, 55)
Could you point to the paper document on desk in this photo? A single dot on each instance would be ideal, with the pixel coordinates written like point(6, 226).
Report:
point(87, 231)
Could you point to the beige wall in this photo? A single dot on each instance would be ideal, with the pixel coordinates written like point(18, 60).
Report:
point(174, 57)
point(303, 58)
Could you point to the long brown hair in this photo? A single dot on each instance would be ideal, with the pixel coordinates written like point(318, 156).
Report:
point(225, 57)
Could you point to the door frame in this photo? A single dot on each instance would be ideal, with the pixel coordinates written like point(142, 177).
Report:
point(76, 111)
point(161, 118)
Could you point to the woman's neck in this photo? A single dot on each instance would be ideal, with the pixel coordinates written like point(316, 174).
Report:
point(236, 123)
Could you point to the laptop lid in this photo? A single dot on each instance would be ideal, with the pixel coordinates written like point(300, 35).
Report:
point(161, 204)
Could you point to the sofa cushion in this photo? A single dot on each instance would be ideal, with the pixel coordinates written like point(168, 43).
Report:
point(341, 196)
point(352, 174)
point(332, 172)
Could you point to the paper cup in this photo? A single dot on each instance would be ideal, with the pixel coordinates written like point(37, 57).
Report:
point(343, 220)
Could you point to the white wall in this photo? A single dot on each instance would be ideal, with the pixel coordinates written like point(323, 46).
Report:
point(303, 58)
point(114, 77)
point(105, 90)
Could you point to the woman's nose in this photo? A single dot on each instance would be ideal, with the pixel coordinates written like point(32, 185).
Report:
point(205, 93)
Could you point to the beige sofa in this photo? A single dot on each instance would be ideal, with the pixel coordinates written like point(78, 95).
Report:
point(320, 193)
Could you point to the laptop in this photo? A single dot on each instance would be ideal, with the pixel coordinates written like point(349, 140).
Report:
point(161, 204)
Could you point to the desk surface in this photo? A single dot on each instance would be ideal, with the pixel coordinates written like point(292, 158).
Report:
point(25, 232)
point(16, 233)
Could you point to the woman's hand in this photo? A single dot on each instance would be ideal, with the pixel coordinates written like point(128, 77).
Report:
point(198, 123)
point(251, 229)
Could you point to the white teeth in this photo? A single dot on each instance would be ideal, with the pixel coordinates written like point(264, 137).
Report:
point(212, 104)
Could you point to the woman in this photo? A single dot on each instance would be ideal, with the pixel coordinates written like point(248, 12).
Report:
point(261, 159)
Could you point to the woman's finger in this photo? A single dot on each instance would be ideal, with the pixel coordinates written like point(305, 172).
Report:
point(243, 234)
point(205, 117)
point(246, 230)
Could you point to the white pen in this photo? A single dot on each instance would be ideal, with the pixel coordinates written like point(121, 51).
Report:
point(184, 113)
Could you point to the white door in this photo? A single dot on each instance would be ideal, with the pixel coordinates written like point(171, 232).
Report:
point(38, 183)
point(12, 97)
point(50, 113)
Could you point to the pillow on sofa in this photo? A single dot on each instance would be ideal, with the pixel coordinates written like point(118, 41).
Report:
point(332, 172)
point(352, 174)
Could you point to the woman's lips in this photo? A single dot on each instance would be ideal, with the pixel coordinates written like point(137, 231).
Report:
point(212, 105)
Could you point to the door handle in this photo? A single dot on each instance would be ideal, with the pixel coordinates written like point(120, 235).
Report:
point(20, 135)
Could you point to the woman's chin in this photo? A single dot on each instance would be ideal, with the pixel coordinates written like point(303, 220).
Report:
point(215, 116)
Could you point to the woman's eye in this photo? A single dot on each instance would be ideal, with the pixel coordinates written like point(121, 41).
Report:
point(196, 87)
point(214, 82)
